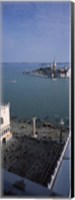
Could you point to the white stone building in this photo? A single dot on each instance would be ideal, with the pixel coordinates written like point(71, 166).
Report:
point(69, 73)
point(5, 133)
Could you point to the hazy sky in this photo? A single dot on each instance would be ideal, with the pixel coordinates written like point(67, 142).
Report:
point(36, 32)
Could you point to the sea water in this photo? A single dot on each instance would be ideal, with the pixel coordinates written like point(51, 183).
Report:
point(34, 96)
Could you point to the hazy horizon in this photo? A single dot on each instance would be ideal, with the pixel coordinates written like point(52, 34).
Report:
point(24, 62)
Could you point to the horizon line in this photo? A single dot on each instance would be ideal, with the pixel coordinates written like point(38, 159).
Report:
point(34, 62)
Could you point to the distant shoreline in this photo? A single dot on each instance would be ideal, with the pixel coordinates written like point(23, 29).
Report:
point(52, 72)
point(16, 62)
point(45, 76)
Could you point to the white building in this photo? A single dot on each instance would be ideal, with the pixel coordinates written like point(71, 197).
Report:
point(5, 133)
point(62, 75)
point(69, 73)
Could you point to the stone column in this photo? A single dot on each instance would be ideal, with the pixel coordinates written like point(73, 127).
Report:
point(61, 129)
point(34, 126)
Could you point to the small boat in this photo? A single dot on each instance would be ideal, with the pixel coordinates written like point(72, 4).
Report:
point(12, 81)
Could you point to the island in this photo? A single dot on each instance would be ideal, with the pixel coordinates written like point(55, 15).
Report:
point(51, 71)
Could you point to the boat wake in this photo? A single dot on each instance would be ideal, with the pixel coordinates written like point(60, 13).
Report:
point(11, 81)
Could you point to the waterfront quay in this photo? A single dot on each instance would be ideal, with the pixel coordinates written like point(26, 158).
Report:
point(30, 157)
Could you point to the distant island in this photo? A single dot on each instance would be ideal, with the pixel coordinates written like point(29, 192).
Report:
point(50, 71)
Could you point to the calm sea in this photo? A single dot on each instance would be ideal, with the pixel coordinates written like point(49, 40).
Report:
point(35, 96)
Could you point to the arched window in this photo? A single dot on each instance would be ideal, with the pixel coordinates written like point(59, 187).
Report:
point(4, 140)
point(1, 120)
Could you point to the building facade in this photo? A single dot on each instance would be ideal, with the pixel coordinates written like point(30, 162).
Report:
point(5, 133)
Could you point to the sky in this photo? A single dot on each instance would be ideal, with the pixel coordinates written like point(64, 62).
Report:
point(35, 31)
